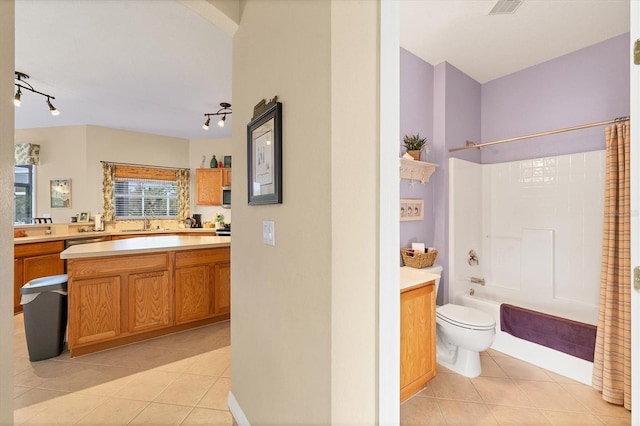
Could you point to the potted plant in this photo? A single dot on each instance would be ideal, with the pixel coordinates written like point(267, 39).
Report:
point(414, 144)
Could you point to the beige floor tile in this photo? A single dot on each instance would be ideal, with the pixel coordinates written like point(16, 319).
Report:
point(226, 372)
point(216, 397)
point(113, 412)
point(421, 411)
point(592, 399)
point(32, 402)
point(19, 390)
point(205, 416)
point(427, 391)
point(466, 413)
point(615, 421)
point(517, 369)
point(21, 363)
point(490, 367)
point(211, 363)
point(454, 386)
point(146, 385)
point(41, 371)
point(494, 354)
point(494, 390)
point(550, 396)
point(565, 418)
point(518, 416)
point(161, 414)
point(187, 390)
point(65, 410)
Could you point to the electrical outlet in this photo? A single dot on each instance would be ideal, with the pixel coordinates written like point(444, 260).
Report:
point(269, 232)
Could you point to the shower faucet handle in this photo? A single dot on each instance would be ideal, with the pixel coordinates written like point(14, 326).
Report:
point(472, 259)
point(476, 280)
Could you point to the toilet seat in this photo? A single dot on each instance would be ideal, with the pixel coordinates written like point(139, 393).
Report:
point(465, 317)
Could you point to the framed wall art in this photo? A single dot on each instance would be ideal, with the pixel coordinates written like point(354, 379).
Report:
point(60, 190)
point(411, 209)
point(264, 156)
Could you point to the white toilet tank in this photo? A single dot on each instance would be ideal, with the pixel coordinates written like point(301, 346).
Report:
point(435, 269)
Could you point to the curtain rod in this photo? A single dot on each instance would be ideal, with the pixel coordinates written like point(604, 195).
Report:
point(472, 145)
point(144, 165)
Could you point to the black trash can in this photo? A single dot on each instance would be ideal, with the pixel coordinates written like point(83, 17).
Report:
point(44, 304)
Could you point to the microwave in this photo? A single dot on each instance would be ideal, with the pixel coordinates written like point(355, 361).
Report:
point(226, 197)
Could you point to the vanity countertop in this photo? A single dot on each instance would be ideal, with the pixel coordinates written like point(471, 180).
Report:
point(410, 277)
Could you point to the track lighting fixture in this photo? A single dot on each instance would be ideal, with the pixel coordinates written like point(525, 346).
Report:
point(226, 109)
point(21, 83)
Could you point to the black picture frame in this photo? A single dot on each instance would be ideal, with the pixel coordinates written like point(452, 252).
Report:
point(264, 157)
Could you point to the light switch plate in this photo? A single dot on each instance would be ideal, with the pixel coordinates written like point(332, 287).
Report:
point(269, 232)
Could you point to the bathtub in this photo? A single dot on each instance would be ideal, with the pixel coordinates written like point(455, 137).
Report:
point(541, 356)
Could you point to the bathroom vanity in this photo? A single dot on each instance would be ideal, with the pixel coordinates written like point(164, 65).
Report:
point(417, 330)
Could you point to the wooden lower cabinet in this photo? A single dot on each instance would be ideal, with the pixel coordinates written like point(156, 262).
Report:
point(417, 338)
point(123, 299)
point(34, 260)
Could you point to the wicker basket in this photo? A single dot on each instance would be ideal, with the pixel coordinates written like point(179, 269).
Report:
point(418, 260)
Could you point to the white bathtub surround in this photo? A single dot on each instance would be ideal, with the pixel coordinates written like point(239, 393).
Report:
point(536, 226)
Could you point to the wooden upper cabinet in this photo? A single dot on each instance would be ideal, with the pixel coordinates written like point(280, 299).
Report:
point(226, 177)
point(209, 187)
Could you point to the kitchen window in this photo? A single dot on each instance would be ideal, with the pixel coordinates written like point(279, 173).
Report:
point(138, 198)
point(133, 191)
point(23, 193)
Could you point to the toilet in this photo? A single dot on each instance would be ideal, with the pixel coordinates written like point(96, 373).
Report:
point(461, 334)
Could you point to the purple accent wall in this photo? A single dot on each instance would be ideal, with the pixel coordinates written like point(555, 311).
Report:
point(457, 118)
point(416, 116)
point(586, 86)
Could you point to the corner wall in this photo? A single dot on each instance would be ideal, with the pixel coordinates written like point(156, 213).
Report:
point(304, 312)
point(7, 38)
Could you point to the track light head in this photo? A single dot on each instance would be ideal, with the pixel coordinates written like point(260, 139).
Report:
point(21, 83)
point(52, 109)
point(17, 99)
point(223, 111)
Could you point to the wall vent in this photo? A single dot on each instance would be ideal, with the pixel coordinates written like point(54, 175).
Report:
point(505, 7)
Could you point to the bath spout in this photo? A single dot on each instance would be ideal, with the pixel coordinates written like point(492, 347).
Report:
point(476, 280)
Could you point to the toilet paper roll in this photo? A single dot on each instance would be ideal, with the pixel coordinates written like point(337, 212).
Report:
point(419, 247)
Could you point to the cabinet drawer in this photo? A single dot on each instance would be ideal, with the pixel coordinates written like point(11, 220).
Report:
point(36, 249)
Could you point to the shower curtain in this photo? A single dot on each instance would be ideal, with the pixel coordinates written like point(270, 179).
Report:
point(612, 358)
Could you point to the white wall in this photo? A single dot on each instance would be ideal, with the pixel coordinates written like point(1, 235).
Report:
point(7, 53)
point(76, 152)
point(541, 230)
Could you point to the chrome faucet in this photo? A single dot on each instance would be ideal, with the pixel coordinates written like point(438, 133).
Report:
point(147, 223)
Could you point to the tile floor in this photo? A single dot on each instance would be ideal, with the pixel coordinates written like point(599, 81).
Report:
point(181, 379)
point(508, 392)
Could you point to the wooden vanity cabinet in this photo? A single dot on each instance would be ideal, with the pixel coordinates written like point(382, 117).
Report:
point(209, 183)
point(34, 260)
point(417, 338)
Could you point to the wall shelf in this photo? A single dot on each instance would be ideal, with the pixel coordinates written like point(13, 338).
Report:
point(416, 170)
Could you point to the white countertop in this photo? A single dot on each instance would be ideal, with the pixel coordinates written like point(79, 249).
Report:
point(139, 245)
point(410, 277)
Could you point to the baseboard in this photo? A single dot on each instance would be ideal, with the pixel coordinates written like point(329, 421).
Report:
point(236, 411)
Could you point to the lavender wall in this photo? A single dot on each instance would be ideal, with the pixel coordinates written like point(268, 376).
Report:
point(416, 116)
point(589, 85)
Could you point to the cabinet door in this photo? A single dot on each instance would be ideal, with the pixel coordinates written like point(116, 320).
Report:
point(149, 301)
point(95, 310)
point(226, 177)
point(222, 288)
point(209, 187)
point(193, 293)
point(42, 266)
point(417, 339)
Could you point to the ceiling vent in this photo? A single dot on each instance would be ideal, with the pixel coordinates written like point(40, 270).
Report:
point(505, 7)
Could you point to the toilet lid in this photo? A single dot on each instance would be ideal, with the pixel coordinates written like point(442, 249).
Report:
point(463, 316)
